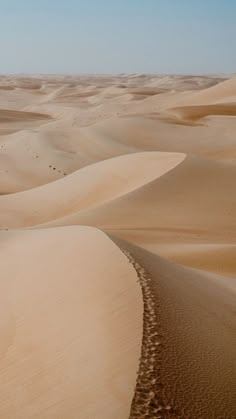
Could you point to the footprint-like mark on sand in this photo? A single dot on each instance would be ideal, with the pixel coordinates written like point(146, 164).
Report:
point(147, 400)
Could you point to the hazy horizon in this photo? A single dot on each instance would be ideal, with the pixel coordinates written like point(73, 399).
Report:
point(111, 37)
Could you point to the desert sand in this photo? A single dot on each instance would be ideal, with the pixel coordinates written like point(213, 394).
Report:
point(117, 247)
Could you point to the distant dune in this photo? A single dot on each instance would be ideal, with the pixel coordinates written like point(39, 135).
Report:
point(17, 116)
point(117, 247)
point(220, 92)
point(216, 100)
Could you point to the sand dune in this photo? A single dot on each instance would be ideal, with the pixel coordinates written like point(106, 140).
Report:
point(218, 258)
point(186, 83)
point(221, 92)
point(33, 158)
point(17, 116)
point(86, 188)
point(149, 132)
point(71, 336)
point(179, 201)
point(194, 113)
point(117, 246)
point(13, 121)
point(216, 100)
point(168, 210)
point(195, 363)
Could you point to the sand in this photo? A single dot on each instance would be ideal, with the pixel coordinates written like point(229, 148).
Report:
point(117, 247)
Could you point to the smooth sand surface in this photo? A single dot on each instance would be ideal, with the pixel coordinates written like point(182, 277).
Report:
point(71, 325)
point(85, 188)
point(117, 247)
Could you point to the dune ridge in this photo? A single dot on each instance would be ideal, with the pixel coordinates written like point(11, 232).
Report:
point(203, 392)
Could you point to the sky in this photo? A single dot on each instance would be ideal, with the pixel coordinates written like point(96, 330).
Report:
point(118, 36)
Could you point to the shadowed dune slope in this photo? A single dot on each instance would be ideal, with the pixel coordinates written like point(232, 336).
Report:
point(70, 335)
point(195, 324)
point(88, 187)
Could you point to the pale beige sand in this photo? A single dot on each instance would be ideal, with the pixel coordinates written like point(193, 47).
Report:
point(71, 325)
point(149, 162)
point(85, 188)
point(216, 100)
point(196, 197)
point(218, 93)
point(13, 121)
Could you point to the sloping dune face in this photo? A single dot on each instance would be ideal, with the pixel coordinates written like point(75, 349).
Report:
point(195, 361)
point(70, 335)
point(13, 121)
point(216, 100)
point(11, 116)
point(225, 91)
point(98, 183)
point(117, 247)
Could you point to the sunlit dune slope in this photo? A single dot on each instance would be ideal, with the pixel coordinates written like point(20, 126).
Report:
point(70, 325)
point(88, 187)
point(149, 132)
point(221, 92)
point(216, 100)
point(197, 196)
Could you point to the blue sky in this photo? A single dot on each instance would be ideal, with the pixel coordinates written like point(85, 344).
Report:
point(113, 36)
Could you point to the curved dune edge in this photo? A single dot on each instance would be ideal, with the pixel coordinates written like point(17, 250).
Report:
point(164, 132)
point(70, 325)
point(83, 217)
point(188, 350)
point(221, 92)
point(219, 100)
point(188, 114)
point(89, 187)
point(146, 208)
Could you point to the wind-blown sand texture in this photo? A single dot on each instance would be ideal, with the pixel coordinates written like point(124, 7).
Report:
point(117, 247)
